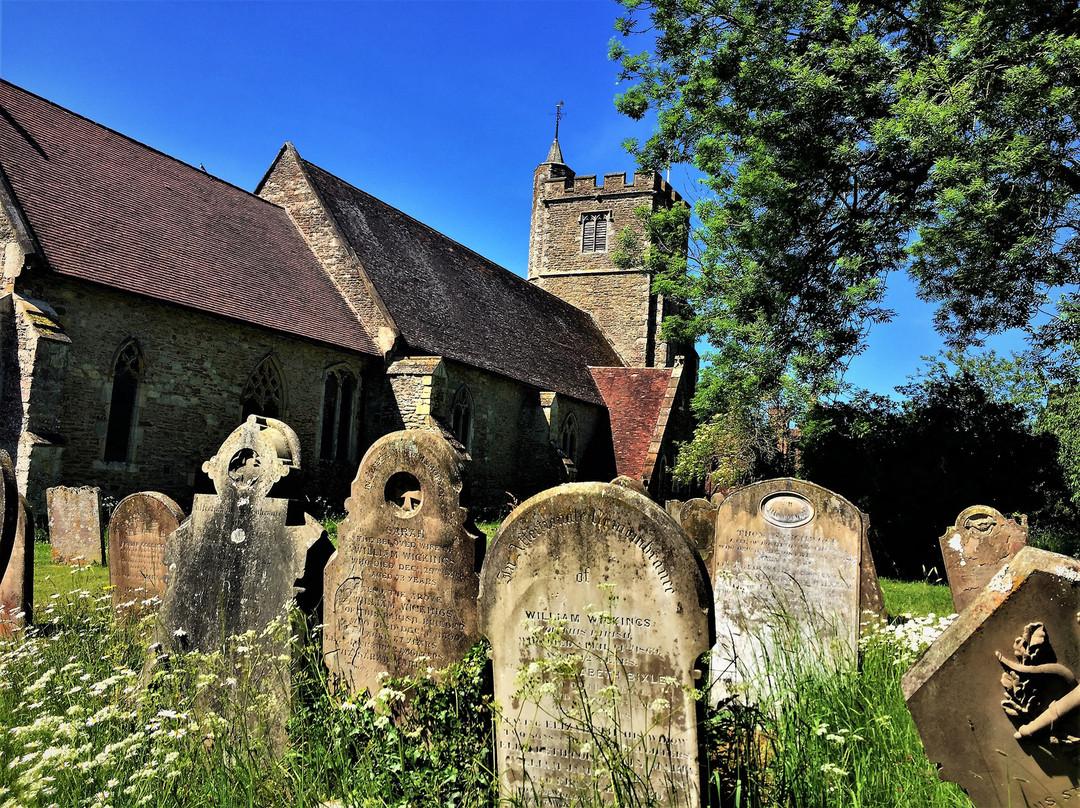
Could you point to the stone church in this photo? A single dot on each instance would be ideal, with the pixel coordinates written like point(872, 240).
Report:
point(148, 307)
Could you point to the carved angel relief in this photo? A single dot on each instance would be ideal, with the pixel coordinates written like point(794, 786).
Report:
point(1026, 681)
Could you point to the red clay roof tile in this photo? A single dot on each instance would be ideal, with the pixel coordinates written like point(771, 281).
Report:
point(635, 402)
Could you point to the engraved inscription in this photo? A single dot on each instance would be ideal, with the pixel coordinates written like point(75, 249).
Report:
point(787, 510)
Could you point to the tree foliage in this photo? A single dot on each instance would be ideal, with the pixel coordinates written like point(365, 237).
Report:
point(914, 466)
point(841, 141)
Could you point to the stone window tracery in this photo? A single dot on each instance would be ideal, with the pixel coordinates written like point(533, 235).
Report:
point(461, 417)
point(568, 437)
point(594, 227)
point(264, 393)
point(128, 369)
point(338, 434)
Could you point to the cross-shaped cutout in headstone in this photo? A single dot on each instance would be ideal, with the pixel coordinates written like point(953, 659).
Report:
point(403, 490)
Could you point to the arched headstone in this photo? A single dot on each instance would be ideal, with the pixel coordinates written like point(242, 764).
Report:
point(598, 581)
point(401, 587)
point(792, 574)
point(977, 545)
point(138, 529)
point(16, 553)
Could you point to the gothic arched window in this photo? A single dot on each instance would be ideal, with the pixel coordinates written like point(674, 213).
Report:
point(340, 395)
point(264, 393)
point(128, 369)
point(568, 437)
point(461, 417)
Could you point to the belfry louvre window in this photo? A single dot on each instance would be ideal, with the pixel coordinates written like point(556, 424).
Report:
point(128, 370)
point(594, 231)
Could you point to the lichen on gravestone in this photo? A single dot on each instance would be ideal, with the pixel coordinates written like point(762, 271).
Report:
point(75, 525)
point(976, 546)
point(138, 529)
point(243, 569)
point(597, 608)
point(401, 587)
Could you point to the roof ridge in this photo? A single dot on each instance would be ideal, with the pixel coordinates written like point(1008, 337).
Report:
point(524, 282)
point(197, 171)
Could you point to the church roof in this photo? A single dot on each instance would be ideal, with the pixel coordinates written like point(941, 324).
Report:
point(449, 301)
point(639, 401)
point(105, 208)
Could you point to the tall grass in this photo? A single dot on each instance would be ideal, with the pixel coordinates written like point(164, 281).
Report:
point(78, 731)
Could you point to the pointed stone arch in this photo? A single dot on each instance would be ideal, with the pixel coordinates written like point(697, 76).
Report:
point(264, 393)
point(128, 369)
point(338, 421)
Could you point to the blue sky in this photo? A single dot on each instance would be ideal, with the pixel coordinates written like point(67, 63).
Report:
point(441, 108)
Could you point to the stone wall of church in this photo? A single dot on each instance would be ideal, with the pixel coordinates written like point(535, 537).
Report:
point(513, 454)
point(189, 399)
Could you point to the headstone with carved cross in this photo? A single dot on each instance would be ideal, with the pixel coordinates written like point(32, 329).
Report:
point(401, 587)
point(244, 559)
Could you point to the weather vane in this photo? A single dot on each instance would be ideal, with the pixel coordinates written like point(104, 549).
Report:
point(559, 115)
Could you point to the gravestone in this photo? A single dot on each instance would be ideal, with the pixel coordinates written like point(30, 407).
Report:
point(137, 532)
point(598, 580)
point(632, 483)
point(996, 699)
point(698, 518)
point(674, 508)
point(980, 542)
point(75, 525)
point(401, 587)
point(240, 563)
point(792, 571)
point(16, 553)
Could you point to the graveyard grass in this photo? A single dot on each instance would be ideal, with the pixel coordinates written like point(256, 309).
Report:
point(75, 732)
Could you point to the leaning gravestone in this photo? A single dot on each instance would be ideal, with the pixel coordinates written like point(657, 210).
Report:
point(996, 698)
point(236, 568)
point(137, 532)
point(16, 553)
point(75, 524)
point(401, 587)
point(976, 547)
point(698, 519)
point(793, 575)
point(592, 589)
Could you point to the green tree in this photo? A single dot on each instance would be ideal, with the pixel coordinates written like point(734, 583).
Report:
point(841, 141)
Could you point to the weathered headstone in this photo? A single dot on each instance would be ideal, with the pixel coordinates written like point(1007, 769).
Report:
point(16, 553)
point(401, 587)
point(137, 532)
point(632, 483)
point(792, 574)
point(673, 508)
point(75, 525)
point(996, 698)
point(238, 565)
point(591, 588)
point(698, 519)
point(979, 544)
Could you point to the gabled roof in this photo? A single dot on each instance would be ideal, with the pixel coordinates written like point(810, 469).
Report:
point(448, 301)
point(107, 209)
point(639, 401)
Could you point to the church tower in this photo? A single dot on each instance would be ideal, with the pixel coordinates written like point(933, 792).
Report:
point(575, 222)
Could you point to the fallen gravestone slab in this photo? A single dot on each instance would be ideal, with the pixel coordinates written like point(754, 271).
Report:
point(247, 556)
point(996, 699)
point(75, 525)
point(401, 587)
point(792, 575)
point(137, 532)
point(979, 544)
point(592, 596)
point(16, 553)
